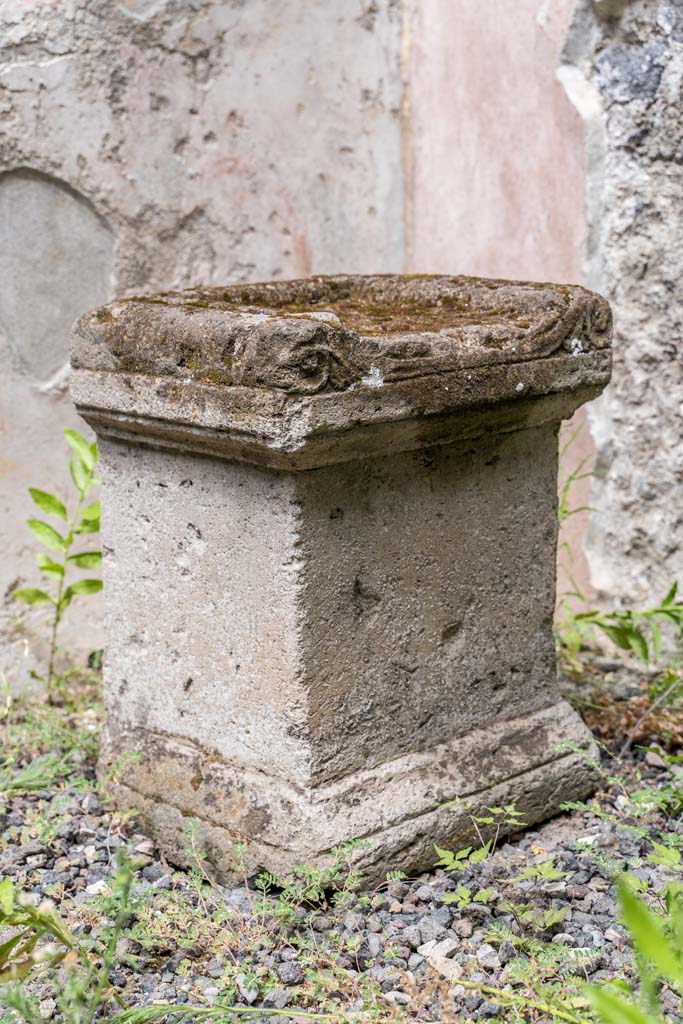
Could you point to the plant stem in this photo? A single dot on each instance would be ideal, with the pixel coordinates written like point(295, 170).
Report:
point(144, 1014)
point(53, 634)
point(512, 997)
point(60, 591)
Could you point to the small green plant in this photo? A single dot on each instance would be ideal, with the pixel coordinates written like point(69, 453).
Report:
point(638, 631)
point(84, 519)
point(534, 919)
point(461, 859)
point(311, 886)
point(567, 480)
point(543, 872)
point(192, 848)
point(668, 797)
point(497, 819)
point(463, 896)
point(40, 774)
point(469, 857)
point(569, 636)
point(501, 820)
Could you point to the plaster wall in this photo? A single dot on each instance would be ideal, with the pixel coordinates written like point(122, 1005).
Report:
point(170, 143)
point(496, 149)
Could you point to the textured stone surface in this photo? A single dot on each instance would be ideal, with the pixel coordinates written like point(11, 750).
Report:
point(176, 120)
point(624, 68)
point(327, 333)
point(335, 649)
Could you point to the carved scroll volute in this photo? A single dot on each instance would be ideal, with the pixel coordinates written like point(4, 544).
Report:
point(583, 325)
point(296, 355)
point(599, 322)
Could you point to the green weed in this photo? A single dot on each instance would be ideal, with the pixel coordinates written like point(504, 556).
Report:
point(55, 567)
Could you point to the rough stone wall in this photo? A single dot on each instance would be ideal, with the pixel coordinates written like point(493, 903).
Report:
point(623, 67)
point(150, 144)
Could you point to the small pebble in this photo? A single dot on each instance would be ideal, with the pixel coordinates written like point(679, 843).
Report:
point(425, 893)
point(488, 957)
point(431, 929)
point(506, 952)
point(277, 999)
point(290, 973)
point(248, 992)
point(398, 997)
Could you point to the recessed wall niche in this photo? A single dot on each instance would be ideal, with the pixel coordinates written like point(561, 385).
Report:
point(56, 261)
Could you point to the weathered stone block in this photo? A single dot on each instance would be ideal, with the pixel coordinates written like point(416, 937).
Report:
point(329, 528)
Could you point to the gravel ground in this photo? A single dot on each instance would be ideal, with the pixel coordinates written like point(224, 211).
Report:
point(403, 946)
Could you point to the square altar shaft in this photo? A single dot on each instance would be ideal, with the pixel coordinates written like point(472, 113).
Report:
point(329, 593)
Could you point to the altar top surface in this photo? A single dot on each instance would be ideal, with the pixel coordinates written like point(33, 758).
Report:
point(322, 334)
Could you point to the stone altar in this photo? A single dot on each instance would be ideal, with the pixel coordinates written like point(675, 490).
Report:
point(329, 528)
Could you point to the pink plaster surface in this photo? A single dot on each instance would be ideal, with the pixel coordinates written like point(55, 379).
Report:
point(497, 151)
